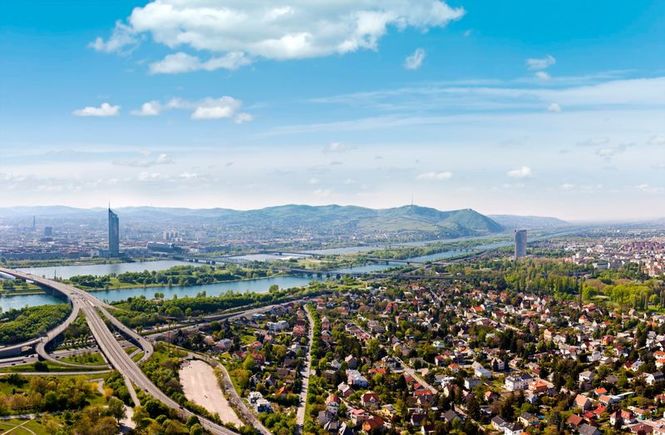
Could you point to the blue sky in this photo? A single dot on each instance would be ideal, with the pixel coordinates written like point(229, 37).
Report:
point(553, 107)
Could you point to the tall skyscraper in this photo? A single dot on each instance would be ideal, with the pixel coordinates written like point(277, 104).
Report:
point(114, 234)
point(520, 244)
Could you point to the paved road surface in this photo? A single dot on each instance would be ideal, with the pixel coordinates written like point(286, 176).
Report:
point(306, 371)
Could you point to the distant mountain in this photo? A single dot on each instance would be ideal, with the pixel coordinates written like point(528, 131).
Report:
point(307, 222)
point(510, 222)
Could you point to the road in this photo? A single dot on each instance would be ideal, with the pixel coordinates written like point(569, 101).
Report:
point(235, 315)
point(57, 355)
point(93, 310)
point(306, 371)
point(94, 372)
point(411, 372)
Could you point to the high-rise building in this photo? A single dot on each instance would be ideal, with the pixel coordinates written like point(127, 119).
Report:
point(114, 234)
point(48, 231)
point(520, 244)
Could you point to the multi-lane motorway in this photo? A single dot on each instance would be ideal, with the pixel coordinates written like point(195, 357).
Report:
point(94, 309)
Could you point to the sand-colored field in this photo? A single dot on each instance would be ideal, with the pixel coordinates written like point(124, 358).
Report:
point(200, 385)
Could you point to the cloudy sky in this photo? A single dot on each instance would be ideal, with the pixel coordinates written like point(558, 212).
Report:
point(552, 107)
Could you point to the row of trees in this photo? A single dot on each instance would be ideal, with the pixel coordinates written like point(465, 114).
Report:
point(183, 276)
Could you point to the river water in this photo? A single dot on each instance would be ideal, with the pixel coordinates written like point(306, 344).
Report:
point(66, 272)
point(256, 285)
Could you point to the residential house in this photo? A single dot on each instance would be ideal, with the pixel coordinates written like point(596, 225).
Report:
point(517, 383)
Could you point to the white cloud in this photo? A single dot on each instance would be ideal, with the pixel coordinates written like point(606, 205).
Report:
point(336, 147)
point(567, 186)
point(635, 93)
point(610, 151)
point(657, 140)
point(251, 29)
point(541, 63)
point(123, 36)
point(415, 60)
point(324, 193)
point(542, 75)
point(216, 108)
point(148, 161)
point(647, 188)
point(182, 62)
point(435, 176)
point(243, 117)
point(554, 108)
point(523, 172)
point(102, 111)
point(163, 159)
point(149, 176)
point(594, 142)
point(208, 108)
point(151, 108)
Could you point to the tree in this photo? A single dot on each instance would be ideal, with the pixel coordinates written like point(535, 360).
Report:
point(40, 366)
point(196, 429)
point(473, 407)
point(106, 426)
point(116, 408)
point(141, 417)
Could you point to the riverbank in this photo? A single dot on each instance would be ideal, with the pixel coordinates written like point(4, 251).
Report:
point(9, 294)
point(141, 287)
point(162, 286)
point(23, 264)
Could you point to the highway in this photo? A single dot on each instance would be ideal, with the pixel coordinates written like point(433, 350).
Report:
point(93, 310)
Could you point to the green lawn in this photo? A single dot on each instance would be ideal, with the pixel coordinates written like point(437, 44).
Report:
point(88, 358)
point(27, 427)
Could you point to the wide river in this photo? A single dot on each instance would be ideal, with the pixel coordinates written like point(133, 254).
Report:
point(255, 285)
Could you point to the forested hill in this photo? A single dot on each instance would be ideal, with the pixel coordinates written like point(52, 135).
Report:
point(330, 221)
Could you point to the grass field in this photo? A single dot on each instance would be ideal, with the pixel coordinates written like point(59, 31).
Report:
point(138, 356)
point(88, 358)
point(22, 427)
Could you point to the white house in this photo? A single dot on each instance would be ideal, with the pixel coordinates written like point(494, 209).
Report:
point(516, 383)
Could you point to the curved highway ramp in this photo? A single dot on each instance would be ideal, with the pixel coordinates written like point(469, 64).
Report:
point(93, 309)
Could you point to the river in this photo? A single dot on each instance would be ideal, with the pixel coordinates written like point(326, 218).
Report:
point(66, 272)
point(255, 285)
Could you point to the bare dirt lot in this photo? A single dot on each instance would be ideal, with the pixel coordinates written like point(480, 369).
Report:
point(200, 385)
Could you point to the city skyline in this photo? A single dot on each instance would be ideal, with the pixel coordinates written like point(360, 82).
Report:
point(527, 109)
